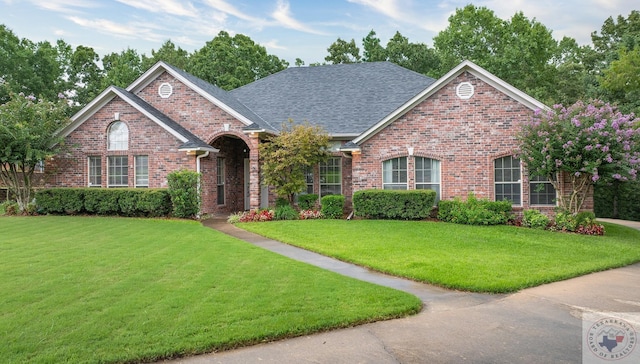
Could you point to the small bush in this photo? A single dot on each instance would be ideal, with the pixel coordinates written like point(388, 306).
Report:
point(310, 215)
point(281, 201)
point(581, 223)
point(332, 206)
point(535, 219)
point(474, 211)
point(285, 213)
point(308, 201)
point(9, 208)
point(394, 204)
point(154, 203)
point(183, 189)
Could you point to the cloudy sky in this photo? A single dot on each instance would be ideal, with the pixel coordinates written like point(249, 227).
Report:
point(289, 29)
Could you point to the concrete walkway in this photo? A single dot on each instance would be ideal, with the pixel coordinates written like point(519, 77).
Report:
point(537, 325)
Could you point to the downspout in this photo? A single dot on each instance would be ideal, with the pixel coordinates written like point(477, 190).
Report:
point(206, 154)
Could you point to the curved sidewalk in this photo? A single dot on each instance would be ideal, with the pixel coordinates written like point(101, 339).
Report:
point(536, 325)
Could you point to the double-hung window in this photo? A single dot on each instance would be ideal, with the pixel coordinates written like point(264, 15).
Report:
point(428, 175)
point(95, 171)
point(394, 174)
point(331, 177)
point(118, 169)
point(507, 179)
point(142, 170)
point(308, 176)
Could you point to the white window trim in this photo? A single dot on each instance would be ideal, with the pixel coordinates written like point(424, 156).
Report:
point(109, 185)
point(135, 171)
point(89, 171)
point(520, 181)
point(339, 183)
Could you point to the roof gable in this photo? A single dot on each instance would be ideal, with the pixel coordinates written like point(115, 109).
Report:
point(189, 140)
point(345, 99)
point(466, 66)
point(217, 96)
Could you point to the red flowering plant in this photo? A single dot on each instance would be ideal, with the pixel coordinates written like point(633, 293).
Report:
point(310, 214)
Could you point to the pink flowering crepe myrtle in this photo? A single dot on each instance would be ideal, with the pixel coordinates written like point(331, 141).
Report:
point(584, 143)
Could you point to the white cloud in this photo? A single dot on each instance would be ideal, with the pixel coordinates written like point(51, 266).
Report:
point(390, 8)
point(227, 8)
point(136, 30)
point(273, 44)
point(172, 7)
point(284, 17)
point(63, 5)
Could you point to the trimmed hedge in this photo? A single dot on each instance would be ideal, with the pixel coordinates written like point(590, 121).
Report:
point(332, 206)
point(103, 201)
point(183, 189)
point(474, 211)
point(394, 204)
point(308, 201)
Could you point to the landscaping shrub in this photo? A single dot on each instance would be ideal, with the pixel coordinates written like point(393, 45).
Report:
point(285, 212)
point(183, 189)
point(281, 201)
point(535, 219)
point(618, 200)
point(125, 201)
point(394, 204)
point(308, 201)
point(474, 211)
point(332, 206)
point(582, 223)
point(257, 215)
point(9, 208)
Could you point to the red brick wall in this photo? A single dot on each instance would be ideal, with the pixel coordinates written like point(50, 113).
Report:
point(465, 135)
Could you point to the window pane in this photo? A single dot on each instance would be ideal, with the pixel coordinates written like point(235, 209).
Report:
point(142, 171)
point(507, 179)
point(428, 175)
point(95, 171)
point(541, 191)
point(118, 169)
point(118, 137)
point(331, 177)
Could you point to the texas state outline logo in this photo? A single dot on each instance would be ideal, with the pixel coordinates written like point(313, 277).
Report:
point(610, 339)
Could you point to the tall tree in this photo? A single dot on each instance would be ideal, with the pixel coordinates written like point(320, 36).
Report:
point(614, 35)
point(168, 53)
point(85, 76)
point(120, 69)
point(342, 51)
point(417, 57)
point(519, 50)
point(373, 51)
point(230, 62)
point(621, 80)
point(28, 137)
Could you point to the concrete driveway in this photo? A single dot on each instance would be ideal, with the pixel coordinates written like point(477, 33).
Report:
point(536, 325)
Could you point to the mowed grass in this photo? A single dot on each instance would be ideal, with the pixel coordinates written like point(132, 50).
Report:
point(83, 289)
point(495, 259)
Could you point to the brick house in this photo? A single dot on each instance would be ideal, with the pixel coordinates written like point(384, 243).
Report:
point(390, 128)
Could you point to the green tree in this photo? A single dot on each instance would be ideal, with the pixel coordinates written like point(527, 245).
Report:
point(230, 62)
point(286, 156)
point(621, 81)
point(168, 53)
point(28, 137)
point(614, 35)
point(417, 57)
point(342, 51)
point(373, 51)
point(85, 76)
point(121, 69)
point(519, 51)
point(585, 144)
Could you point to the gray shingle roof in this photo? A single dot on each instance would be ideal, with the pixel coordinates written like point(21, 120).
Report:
point(193, 142)
point(226, 98)
point(343, 99)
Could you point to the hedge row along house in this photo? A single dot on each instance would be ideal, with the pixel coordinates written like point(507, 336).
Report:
point(391, 128)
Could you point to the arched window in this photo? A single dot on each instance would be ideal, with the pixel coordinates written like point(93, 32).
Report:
point(118, 136)
point(507, 179)
point(428, 175)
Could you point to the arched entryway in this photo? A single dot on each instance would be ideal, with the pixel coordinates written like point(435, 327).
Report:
point(229, 185)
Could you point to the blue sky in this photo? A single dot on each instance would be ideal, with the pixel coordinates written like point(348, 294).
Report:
point(289, 29)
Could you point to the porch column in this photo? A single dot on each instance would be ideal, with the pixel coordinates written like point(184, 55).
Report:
point(254, 171)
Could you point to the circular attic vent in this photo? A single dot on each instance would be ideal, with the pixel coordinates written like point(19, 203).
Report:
point(464, 90)
point(165, 90)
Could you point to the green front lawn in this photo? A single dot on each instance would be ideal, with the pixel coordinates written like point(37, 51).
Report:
point(475, 258)
point(90, 289)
